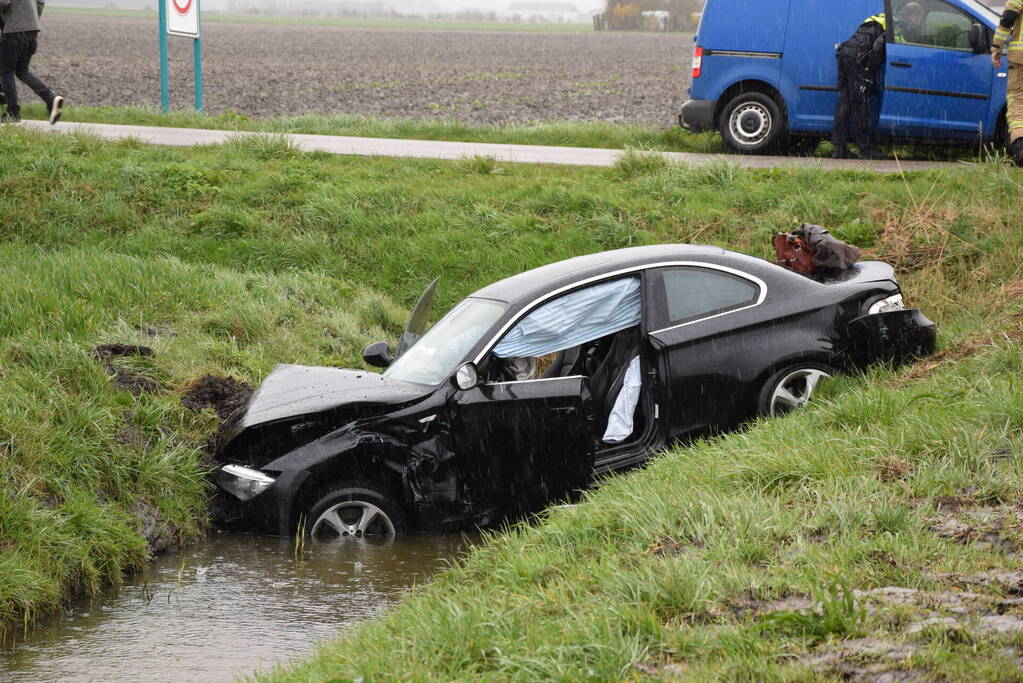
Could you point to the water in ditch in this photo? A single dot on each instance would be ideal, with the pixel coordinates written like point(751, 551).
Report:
point(226, 607)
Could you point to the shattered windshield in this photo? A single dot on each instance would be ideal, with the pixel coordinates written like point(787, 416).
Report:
point(437, 354)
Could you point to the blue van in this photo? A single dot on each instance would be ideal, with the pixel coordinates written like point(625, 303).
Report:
point(765, 74)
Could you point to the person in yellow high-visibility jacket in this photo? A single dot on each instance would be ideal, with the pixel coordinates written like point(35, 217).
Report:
point(1008, 38)
point(859, 61)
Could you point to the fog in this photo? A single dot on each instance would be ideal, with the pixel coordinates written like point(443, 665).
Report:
point(499, 8)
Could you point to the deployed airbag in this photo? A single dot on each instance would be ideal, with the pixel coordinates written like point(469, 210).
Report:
point(620, 422)
point(574, 319)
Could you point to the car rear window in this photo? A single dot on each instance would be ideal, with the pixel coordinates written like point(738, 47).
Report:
point(685, 294)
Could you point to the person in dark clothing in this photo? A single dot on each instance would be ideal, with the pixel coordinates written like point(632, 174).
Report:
point(859, 61)
point(18, 43)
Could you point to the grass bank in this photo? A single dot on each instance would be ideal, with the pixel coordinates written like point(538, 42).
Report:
point(226, 260)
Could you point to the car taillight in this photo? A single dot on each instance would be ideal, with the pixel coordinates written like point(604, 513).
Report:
point(697, 61)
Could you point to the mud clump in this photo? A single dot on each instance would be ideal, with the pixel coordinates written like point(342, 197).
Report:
point(124, 378)
point(867, 659)
point(994, 527)
point(223, 394)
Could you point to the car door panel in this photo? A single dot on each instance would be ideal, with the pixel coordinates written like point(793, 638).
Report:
point(934, 93)
point(715, 366)
point(525, 443)
point(935, 85)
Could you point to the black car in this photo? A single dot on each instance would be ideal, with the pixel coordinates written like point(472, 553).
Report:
point(530, 386)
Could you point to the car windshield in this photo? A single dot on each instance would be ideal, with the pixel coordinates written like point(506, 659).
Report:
point(437, 354)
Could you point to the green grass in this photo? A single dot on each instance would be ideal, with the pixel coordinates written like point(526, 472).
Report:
point(229, 259)
point(349, 22)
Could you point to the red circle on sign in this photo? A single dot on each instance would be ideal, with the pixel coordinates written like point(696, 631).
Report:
point(182, 7)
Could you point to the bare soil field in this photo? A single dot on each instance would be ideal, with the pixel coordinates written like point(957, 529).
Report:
point(262, 70)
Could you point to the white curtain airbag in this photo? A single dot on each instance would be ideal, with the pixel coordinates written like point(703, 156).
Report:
point(574, 319)
point(620, 423)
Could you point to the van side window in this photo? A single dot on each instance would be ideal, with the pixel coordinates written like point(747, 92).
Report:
point(931, 23)
point(687, 293)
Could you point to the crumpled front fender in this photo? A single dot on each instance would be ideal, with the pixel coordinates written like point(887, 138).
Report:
point(895, 336)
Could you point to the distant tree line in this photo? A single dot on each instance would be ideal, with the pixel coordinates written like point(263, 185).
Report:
point(627, 15)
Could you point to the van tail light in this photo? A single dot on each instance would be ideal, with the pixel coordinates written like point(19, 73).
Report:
point(697, 61)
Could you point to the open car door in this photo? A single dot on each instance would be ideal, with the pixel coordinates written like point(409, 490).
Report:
point(418, 321)
point(525, 443)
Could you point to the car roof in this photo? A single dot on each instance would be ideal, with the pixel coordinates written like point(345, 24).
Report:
point(533, 284)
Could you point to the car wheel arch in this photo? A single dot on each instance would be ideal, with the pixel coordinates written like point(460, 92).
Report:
point(745, 86)
point(826, 365)
point(790, 361)
point(355, 507)
point(353, 466)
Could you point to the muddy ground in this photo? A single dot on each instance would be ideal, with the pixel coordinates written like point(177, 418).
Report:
point(262, 71)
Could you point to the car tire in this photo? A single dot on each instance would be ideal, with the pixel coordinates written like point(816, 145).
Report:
point(791, 388)
point(752, 123)
point(356, 510)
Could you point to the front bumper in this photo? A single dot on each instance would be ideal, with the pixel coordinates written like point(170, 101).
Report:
point(697, 115)
point(896, 336)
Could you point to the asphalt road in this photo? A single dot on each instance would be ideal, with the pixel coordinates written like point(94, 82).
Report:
point(429, 149)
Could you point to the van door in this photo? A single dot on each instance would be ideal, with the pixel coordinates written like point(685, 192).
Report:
point(809, 66)
point(935, 86)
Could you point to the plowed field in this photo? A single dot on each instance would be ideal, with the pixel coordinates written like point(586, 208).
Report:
point(263, 70)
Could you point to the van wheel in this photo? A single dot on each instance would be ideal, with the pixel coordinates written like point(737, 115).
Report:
point(353, 511)
point(751, 123)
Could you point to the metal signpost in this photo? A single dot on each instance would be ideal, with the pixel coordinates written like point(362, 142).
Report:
point(179, 18)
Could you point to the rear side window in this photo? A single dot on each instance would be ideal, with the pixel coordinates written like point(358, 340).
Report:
point(687, 293)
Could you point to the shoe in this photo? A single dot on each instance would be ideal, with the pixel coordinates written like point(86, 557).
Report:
point(840, 153)
point(1016, 148)
point(56, 109)
point(10, 118)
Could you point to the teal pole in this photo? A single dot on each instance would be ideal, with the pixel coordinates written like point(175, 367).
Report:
point(198, 57)
point(164, 70)
point(198, 74)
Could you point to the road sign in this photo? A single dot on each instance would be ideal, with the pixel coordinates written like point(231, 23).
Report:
point(183, 18)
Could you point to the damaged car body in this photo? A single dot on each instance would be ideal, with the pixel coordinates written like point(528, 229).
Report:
point(531, 386)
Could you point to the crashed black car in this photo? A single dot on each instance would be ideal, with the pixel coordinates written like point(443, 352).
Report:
point(529, 387)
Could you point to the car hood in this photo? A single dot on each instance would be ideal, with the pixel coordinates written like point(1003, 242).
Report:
point(293, 390)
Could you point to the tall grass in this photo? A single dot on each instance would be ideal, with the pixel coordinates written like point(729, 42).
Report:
point(229, 259)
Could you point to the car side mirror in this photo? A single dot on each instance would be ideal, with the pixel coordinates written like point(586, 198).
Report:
point(978, 39)
point(467, 376)
point(378, 354)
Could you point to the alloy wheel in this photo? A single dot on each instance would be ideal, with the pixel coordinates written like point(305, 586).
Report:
point(795, 390)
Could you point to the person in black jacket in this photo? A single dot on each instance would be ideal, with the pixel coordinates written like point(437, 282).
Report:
point(18, 44)
point(859, 61)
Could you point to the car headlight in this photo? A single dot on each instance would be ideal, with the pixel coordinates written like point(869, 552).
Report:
point(243, 483)
point(892, 303)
